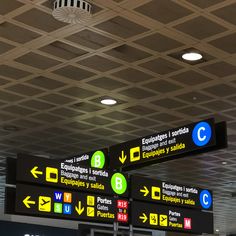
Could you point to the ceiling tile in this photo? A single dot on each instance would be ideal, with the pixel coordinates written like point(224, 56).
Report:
point(35, 104)
point(4, 47)
point(63, 50)
point(162, 86)
point(8, 6)
point(98, 121)
point(24, 89)
point(204, 3)
point(220, 69)
point(78, 92)
point(12, 72)
point(132, 75)
point(10, 97)
point(46, 117)
point(225, 43)
point(104, 132)
point(46, 83)
point(137, 93)
point(87, 107)
point(122, 127)
point(80, 126)
point(99, 63)
point(194, 97)
point(121, 27)
point(221, 90)
point(190, 78)
point(73, 72)
point(37, 61)
point(194, 111)
point(46, 22)
point(163, 11)
point(107, 83)
point(143, 122)
point(127, 53)
point(56, 99)
point(118, 115)
point(90, 39)
point(227, 13)
point(161, 66)
point(164, 117)
point(159, 42)
point(67, 112)
point(217, 105)
point(140, 110)
point(9, 31)
point(200, 27)
point(18, 110)
point(169, 103)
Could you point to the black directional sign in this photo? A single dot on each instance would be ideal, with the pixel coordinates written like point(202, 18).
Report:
point(96, 159)
point(170, 143)
point(167, 218)
point(71, 176)
point(162, 192)
point(61, 203)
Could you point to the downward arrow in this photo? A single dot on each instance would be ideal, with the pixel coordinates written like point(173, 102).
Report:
point(123, 157)
point(79, 209)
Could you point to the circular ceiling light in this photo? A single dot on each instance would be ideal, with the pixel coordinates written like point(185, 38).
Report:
point(192, 56)
point(224, 162)
point(108, 101)
point(72, 11)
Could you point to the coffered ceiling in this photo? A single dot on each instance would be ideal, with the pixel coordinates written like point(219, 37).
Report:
point(53, 76)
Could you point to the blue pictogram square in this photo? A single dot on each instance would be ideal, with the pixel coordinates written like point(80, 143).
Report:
point(58, 196)
point(67, 209)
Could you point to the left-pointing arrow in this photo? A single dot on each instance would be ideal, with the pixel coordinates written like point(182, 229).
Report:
point(27, 202)
point(35, 172)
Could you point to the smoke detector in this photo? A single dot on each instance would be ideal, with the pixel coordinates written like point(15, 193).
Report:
point(72, 11)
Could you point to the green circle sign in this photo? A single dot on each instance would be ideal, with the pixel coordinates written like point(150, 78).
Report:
point(118, 183)
point(98, 160)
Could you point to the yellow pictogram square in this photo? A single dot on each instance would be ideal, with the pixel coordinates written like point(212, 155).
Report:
point(44, 204)
point(163, 220)
point(51, 175)
point(156, 193)
point(90, 200)
point(134, 154)
point(90, 211)
point(153, 219)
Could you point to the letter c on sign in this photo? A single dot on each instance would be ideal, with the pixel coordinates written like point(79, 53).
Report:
point(205, 199)
point(201, 134)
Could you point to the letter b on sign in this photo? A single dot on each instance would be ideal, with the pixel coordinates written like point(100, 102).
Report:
point(201, 134)
point(118, 183)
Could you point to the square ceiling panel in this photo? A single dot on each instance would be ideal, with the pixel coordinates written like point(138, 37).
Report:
point(46, 23)
point(205, 3)
point(190, 78)
point(221, 90)
point(220, 69)
point(4, 47)
point(46, 117)
point(164, 117)
point(46, 83)
point(98, 120)
point(9, 31)
point(217, 105)
point(99, 63)
point(8, 6)
point(78, 92)
point(12, 72)
point(90, 39)
point(128, 53)
point(73, 72)
point(37, 61)
point(200, 27)
point(194, 111)
point(169, 103)
point(86, 107)
point(225, 43)
point(163, 11)
point(121, 27)
point(66, 112)
point(132, 75)
point(39, 105)
point(56, 99)
point(194, 97)
point(118, 115)
point(227, 13)
point(10, 97)
point(159, 42)
point(63, 50)
point(24, 89)
point(107, 83)
point(140, 110)
point(161, 66)
point(18, 110)
point(137, 93)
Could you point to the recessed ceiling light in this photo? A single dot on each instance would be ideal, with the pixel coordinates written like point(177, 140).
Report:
point(108, 101)
point(192, 56)
point(217, 230)
point(224, 162)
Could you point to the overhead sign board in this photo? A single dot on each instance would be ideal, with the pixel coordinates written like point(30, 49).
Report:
point(71, 176)
point(162, 192)
point(162, 145)
point(167, 218)
point(61, 203)
point(96, 159)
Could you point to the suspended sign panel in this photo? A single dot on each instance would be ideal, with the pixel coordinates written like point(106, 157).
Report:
point(170, 143)
point(61, 203)
point(162, 192)
point(71, 176)
point(167, 218)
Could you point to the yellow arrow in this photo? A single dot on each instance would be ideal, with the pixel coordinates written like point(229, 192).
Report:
point(145, 191)
point(123, 157)
point(35, 172)
point(143, 217)
point(27, 201)
point(79, 209)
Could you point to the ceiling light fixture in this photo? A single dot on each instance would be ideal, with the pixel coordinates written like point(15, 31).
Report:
point(72, 11)
point(192, 56)
point(108, 101)
point(224, 162)
point(217, 230)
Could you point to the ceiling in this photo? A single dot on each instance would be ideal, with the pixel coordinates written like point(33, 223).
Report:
point(53, 76)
